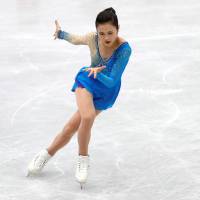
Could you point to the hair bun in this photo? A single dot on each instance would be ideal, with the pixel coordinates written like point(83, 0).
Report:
point(111, 10)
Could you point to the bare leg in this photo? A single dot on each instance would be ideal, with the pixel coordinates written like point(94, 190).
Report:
point(87, 111)
point(66, 134)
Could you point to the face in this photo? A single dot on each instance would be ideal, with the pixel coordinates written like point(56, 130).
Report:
point(107, 34)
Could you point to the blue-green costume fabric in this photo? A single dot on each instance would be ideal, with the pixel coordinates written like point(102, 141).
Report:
point(106, 86)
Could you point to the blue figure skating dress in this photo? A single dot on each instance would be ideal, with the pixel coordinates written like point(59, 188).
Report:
point(106, 86)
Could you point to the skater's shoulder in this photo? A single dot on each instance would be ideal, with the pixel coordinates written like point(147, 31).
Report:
point(91, 38)
point(91, 34)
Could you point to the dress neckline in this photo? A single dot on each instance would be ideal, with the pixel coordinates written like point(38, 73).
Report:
point(106, 60)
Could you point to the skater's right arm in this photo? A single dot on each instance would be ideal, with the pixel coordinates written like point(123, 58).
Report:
point(72, 38)
point(75, 39)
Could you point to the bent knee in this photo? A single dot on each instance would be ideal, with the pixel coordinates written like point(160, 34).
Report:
point(90, 116)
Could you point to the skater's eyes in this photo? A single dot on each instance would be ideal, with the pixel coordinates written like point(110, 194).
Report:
point(109, 33)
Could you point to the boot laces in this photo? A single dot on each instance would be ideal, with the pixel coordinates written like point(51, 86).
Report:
point(40, 161)
point(82, 164)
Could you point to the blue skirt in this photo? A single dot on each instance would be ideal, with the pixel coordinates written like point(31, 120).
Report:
point(103, 97)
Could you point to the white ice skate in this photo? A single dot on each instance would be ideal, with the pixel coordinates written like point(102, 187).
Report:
point(38, 162)
point(82, 169)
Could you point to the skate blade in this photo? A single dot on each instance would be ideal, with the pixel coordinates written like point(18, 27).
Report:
point(82, 185)
point(28, 174)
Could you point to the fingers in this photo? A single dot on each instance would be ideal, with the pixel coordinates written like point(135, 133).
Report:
point(95, 74)
point(99, 69)
point(57, 24)
point(55, 35)
point(87, 69)
point(102, 68)
point(57, 29)
point(91, 72)
point(94, 70)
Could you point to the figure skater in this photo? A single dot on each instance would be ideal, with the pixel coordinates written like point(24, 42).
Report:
point(96, 88)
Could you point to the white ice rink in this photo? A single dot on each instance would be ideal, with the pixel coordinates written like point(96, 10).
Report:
point(147, 147)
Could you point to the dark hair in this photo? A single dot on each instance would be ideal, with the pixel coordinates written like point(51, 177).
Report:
point(107, 15)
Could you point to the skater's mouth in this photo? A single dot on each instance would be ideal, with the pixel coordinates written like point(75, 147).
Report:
point(108, 42)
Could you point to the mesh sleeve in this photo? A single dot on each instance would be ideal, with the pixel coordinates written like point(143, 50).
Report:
point(117, 69)
point(75, 39)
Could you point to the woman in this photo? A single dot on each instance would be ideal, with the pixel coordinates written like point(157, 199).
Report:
point(96, 88)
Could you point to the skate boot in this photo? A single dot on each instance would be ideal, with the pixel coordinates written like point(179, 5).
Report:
point(38, 162)
point(82, 169)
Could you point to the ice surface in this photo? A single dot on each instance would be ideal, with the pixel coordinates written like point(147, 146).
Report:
point(147, 147)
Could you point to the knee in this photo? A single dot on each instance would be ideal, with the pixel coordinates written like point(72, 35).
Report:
point(88, 117)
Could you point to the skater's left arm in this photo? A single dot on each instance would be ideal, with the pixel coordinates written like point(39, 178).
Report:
point(117, 69)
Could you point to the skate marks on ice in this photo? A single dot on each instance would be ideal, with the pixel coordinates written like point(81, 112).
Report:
point(41, 94)
point(167, 36)
point(32, 66)
point(179, 168)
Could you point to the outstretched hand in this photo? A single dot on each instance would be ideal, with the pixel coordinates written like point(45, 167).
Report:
point(94, 70)
point(58, 28)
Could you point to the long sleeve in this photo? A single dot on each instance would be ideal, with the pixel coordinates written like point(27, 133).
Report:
point(117, 69)
point(75, 39)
